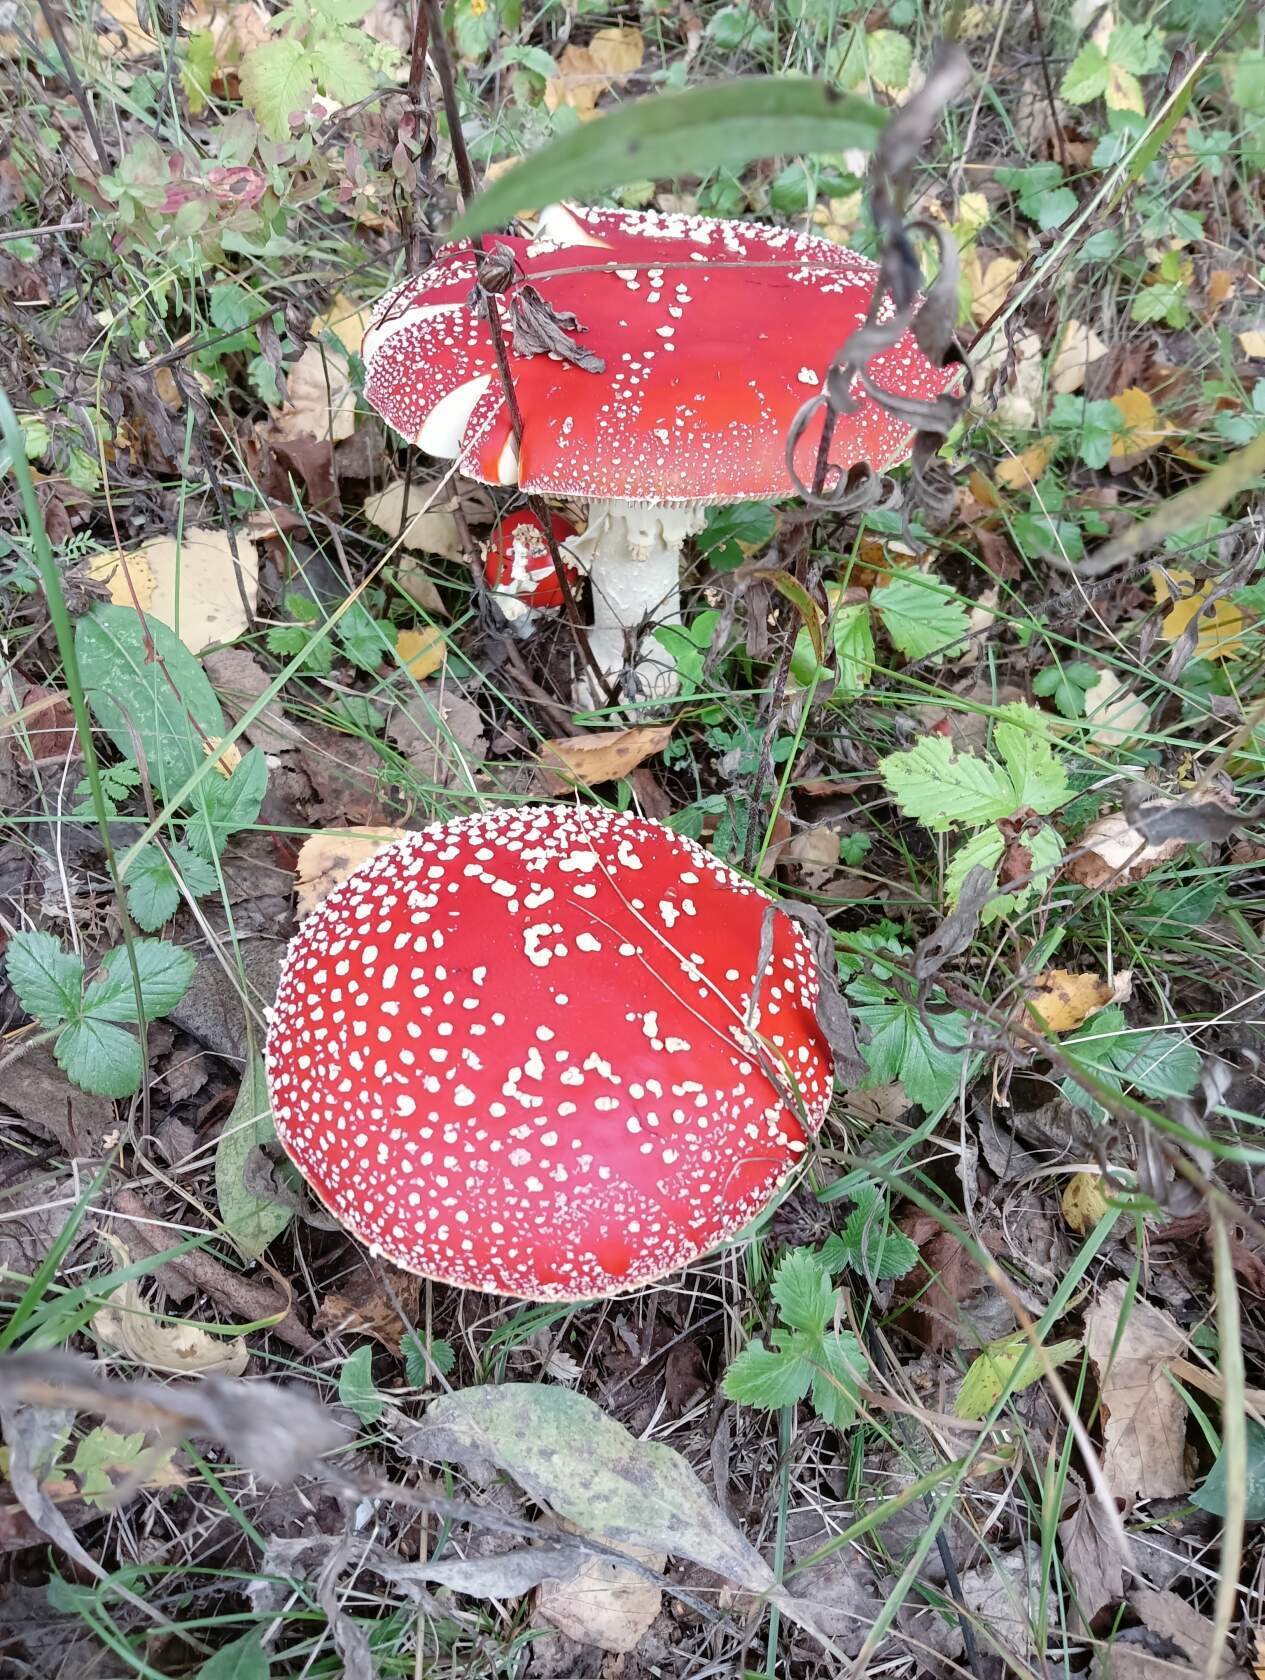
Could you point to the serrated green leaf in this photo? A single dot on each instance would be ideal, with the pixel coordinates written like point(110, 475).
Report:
point(889, 57)
point(691, 132)
point(1086, 76)
point(989, 1375)
point(278, 80)
point(839, 1364)
point(1136, 48)
point(1156, 1061)
point(341, 72)
point(1054, 208)
point(803, 1291)
point(153, 883)
point(252, 1220)
point(356, 1387)
point(101, 1450)
point(416, 1368)
point(901, 1048)
point(224, 805)
point(47, 980)
point(342, 11)
point(99, 1058)
point(944, 788)
point(870, 1242)
point(165, 971)
point(764, 1377)
point(984, 850)
point(923, 619)
point(1038, 774)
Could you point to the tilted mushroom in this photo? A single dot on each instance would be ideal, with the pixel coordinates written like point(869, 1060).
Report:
point(709, 336)
point(518, 567)
point(549, 1051)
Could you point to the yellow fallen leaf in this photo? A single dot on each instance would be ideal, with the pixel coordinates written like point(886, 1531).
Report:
point(124, 20)
point(163, 1344)
point(320, 402)
point(618, 51)
point(604, 755)
point(973, 213)
point(1143, 428)
point(585, 73)
point(1252, 343)
point(1064, 1000)
point(1083, 1201)
point(430, 529)
point(226, 758)
point(1222, 284)
point(194, 586)
point(991, 279)
point(326, 860)
point(421, 652)
point(345, 319)
point(1019, 471)
point(1220, 628)
point(1079, 348)
point(1111, 853)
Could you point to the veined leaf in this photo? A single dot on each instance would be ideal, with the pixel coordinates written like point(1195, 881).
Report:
point(942, 788)
point(688, 133)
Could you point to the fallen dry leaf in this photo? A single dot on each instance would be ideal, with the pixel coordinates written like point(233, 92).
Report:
point(1083, 1201)
point(1062, 1000)
point(1019, 471)
point(1079, 348)
point(1092, 1556)
point(1143, 429)
point(239, 680)
point(1114, 853)
point(430, 530)
point(326, 860)
point(369, 1303)
point(320, 402)
point(990, 279)
point(1252, 343)
point(602, 1604)
point(421, 652)
point(602, 756)
point(1144, 1416)
point(1116, 714)
point(933, 1292)
point(585, 73)
point(162, 1344)
point(1018, 403)
point(194, 586)
point(1171, 1629)
point(346, 320)
point(1221, 628)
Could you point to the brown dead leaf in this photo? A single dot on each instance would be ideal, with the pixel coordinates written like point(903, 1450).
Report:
point(587, 72)
point(1079, 348)
point(1115, 854)
point(320, 402)
point(364, 1304)
point(1144, 1416)
point(326, 860)
point(430, 529)
point(1090, 1549)
point(421, 652)
point(1116, 714)
point(602, 1604)
point(239, 679)
point(48, 720)
point(1062, 1000)
point(935, 1289)
point(194, 586)
point(1083, 1201)
point(602, 756)
point(1171, 1629)
point(163, 1344)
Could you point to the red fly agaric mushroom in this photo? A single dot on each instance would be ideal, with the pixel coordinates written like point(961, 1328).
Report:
point(518, 567)
point(709, 336)
point(547, 1051)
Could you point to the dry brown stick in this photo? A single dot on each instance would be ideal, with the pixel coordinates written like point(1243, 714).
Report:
point(247, 1300)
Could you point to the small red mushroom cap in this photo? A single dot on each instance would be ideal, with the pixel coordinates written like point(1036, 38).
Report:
point(713, 334)
point(530, 1051)
point(518, 567)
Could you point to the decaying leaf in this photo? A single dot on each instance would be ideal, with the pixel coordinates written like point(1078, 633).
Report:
point(1062, 1000)
point(1092, 1555)
point(326, 860)
point(346, 320)
point(196, 586)
point(421, 652)
point(1114, 714)
point(440, 732)
point(251, 1216)
point(1079, 348)
point(1143, 429)
point(1083, 1201)
point(601, 1604)
point(990, 278)
point(1114, 853)
point(604, 755)
point(429, 529)
point(1221, 626)
point(1017, 472)
point(369, 1303)
point(162, 1344)
point(585, 73)
point(1144, 1416)
point(320, 402)
point(1173, 1642)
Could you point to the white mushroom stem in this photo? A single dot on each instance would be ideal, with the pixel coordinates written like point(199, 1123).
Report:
point(632, 553)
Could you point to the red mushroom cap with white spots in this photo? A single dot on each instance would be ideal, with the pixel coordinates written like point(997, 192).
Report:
point(713, 333)
point(530, 1051)
point(517, 564)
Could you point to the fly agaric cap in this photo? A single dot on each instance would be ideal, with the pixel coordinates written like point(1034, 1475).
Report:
point(712, 335)
point(536, 1051)
point(518, 567)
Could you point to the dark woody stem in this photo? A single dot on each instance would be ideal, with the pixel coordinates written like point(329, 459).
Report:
point(438, 47)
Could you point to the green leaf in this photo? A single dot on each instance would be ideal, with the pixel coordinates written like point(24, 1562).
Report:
point(687, 133)
point(342, 11)
point(901, 1047)
point(356, 1387)
point(869, 1243)
point(942, 788)
point(232, 306)
point(101, 1450)
point(763, 1377)
point(100, 1058)
point(1247, 85)
point(244, 1659)
point(733, 532)
point(198, 67)
point(365, 640)
point(839, 1365)
point(1086, 76)
point(1135, 47)
point(153, 882)
point(341, 71)
point(416, 1369)
point(1211, 1495)
point(990, 1374)
point(1096, 424)
point(1157, 1061)
point(48, 981)
point(252, 1220)
point(889, 57)
point(227, 804)
point(1067, 685)
point(803, 1291)
point(1054, 208)
point(923, 619)
point(984, 850)
point(1038, 774)
point(164, 706)
point(165, 971)
point(278, 80)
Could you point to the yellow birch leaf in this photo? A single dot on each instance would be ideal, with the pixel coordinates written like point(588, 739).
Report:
point(421, 652)
point(1078, 349)
point(618, 51)
point(1064, 1000)
point(1019, 471)
point(345, 319)
point(604, 755)
point(1083, 1201)
point(1220, 628)
point(326, 860)
point(1252, 343)
point(1143, 428)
